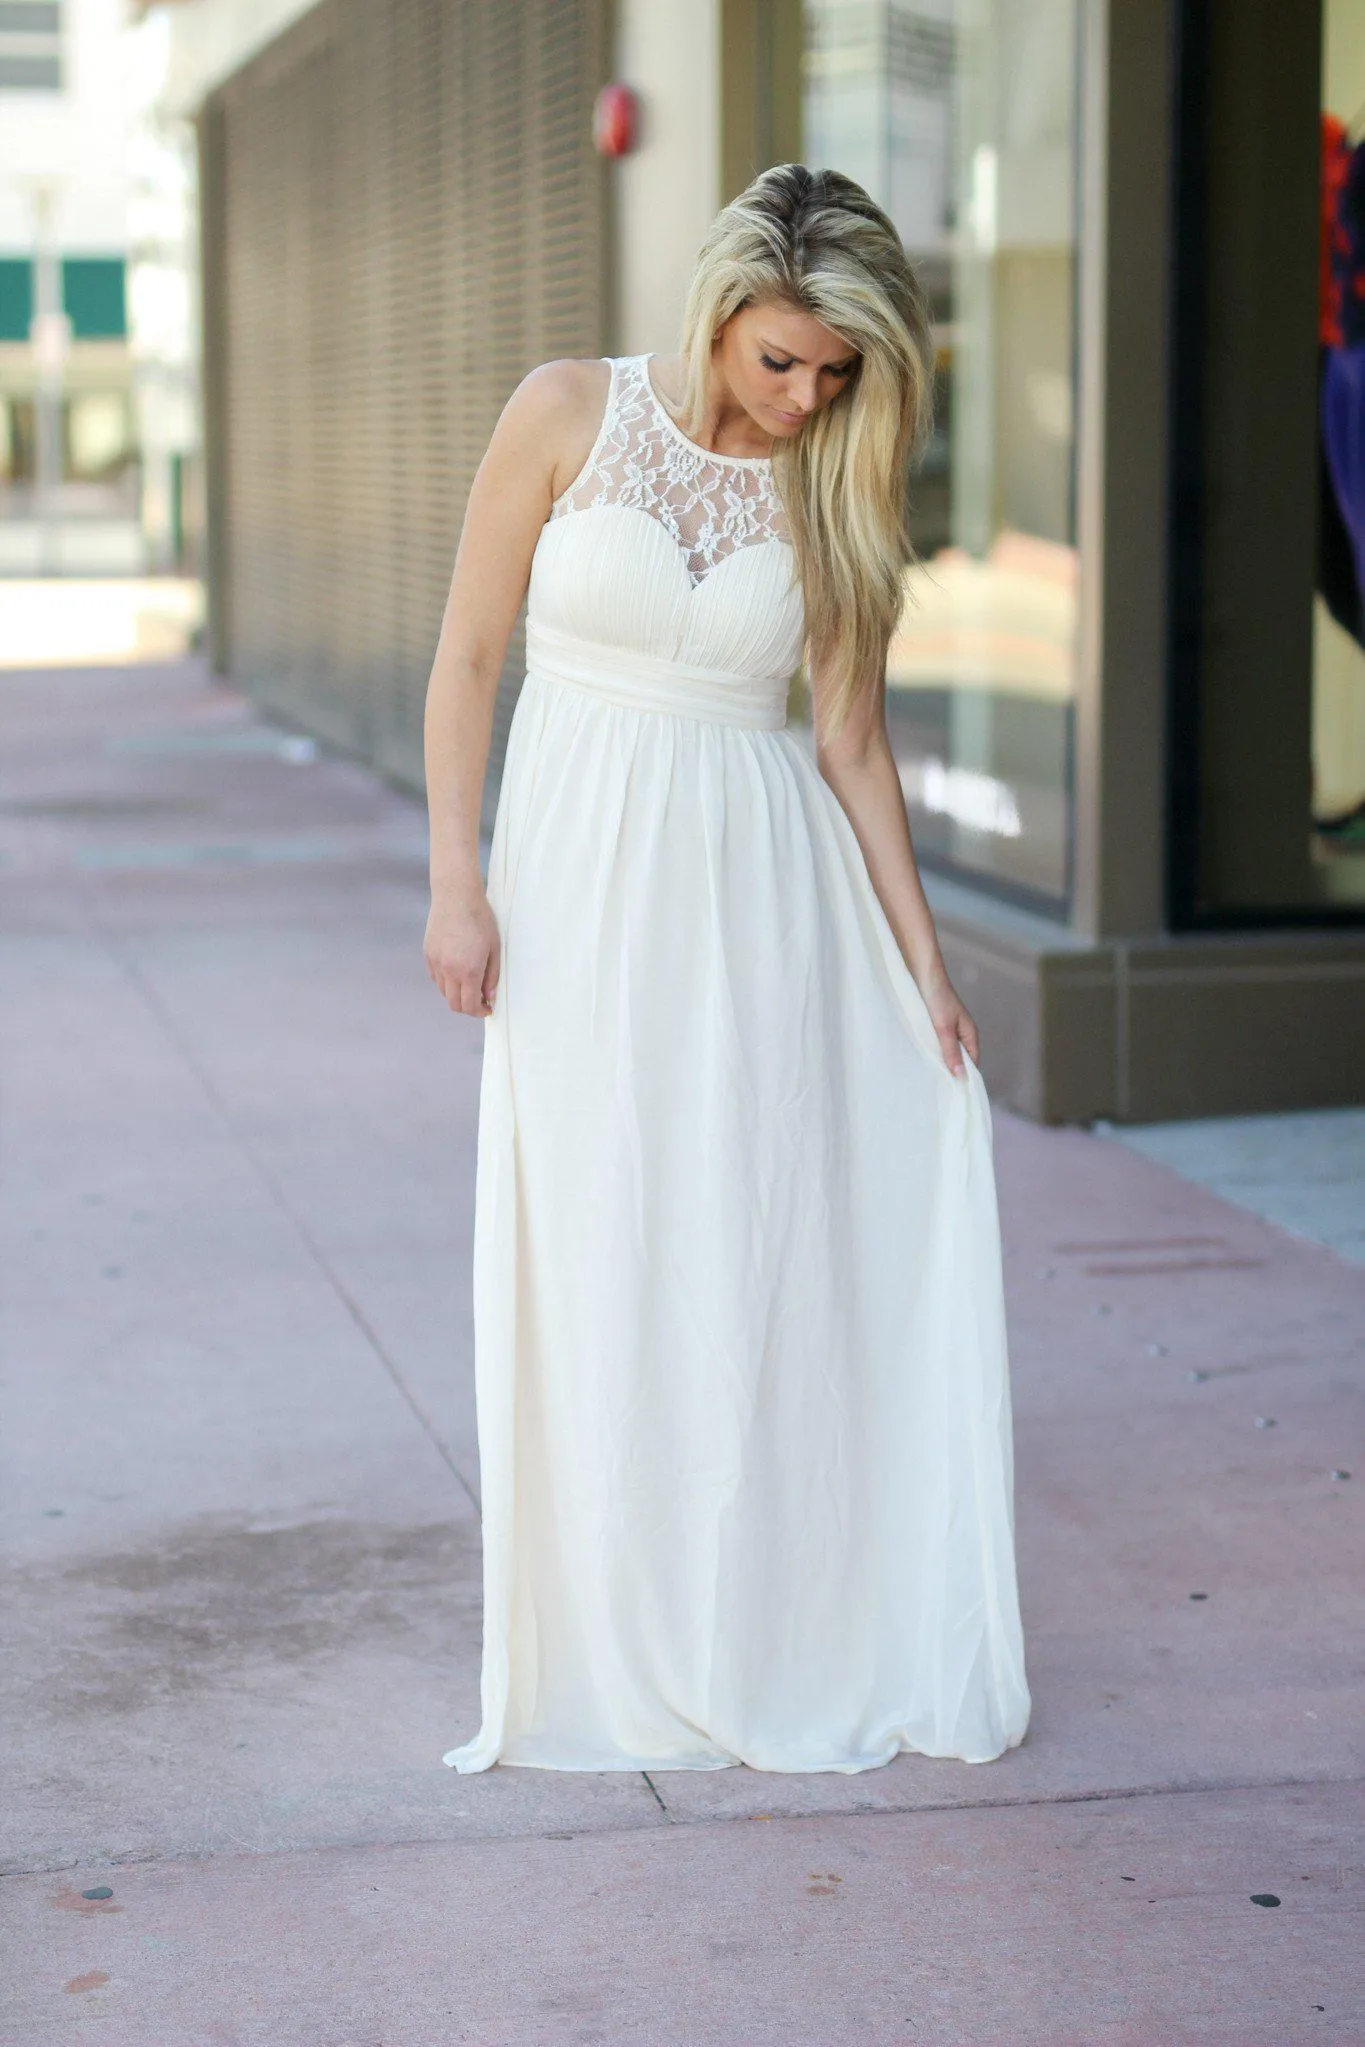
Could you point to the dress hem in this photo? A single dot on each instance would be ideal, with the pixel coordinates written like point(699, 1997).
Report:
point(853, 1767)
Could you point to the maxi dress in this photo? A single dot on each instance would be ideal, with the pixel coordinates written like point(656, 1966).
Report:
point(740, 1355)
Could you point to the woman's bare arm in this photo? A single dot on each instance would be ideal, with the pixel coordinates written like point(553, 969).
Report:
point(860, 768)
point(541, 441)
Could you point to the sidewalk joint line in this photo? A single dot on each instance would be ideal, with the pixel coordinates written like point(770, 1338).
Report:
point(140, 1859)
point(658, 1800)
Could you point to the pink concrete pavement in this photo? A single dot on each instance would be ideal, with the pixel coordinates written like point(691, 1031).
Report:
point(241, 1529)
point(1117, 1921)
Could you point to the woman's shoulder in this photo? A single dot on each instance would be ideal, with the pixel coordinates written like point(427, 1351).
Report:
point(555, 415)
point(567, 392)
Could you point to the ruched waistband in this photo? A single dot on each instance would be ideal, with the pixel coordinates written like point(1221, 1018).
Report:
point(647, 682)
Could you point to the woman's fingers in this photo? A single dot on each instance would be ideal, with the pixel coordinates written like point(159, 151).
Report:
point(492, 973)
point(952, 1050)
point(956, 1033)
point(463, 983)
point(470, 989)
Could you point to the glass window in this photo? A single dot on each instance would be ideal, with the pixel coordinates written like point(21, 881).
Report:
point(1338, 725)
point(30, 46)
point(1267, 753)
point(30, 17)
point(959, 116)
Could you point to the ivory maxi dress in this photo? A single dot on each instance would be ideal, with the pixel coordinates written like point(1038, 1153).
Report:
point(740, 1357)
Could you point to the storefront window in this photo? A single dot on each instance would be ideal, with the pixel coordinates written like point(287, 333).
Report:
point(1338, 725)
point(960, 117)
point(1267, 752)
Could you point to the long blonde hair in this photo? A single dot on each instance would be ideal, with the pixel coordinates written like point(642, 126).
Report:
point(815, 241)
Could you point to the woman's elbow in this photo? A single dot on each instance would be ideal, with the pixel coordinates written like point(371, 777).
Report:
point(848, 754)
point(461, 667)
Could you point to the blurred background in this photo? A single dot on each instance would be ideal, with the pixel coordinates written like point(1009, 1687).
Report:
point(268, 270)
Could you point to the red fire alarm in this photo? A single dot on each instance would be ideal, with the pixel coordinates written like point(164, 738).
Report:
point(614, 121)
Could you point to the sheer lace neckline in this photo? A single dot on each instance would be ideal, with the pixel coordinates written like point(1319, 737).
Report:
point(712, 506)
point(711, 454)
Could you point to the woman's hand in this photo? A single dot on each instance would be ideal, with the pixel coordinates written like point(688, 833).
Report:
point(463, 950)
point(950, 1018)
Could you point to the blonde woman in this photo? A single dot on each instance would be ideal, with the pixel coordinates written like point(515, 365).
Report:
point(743, 1403)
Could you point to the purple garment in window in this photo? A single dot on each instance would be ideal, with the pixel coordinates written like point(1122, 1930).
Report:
point(1343, 439)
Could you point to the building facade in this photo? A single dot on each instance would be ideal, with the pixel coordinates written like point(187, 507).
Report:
point(1127, 695)
point(68, 469)
point(99, 413)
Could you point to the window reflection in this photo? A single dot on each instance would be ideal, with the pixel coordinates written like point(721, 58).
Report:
point(960, 116)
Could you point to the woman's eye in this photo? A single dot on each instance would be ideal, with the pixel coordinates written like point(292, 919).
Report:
point(780, 367)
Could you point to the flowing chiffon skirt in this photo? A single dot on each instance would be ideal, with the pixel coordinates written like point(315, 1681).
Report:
point(742, 1382)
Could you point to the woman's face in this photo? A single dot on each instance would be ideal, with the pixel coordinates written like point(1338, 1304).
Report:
point(781, 365)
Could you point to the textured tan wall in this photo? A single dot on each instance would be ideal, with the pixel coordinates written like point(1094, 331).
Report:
point(403, 214)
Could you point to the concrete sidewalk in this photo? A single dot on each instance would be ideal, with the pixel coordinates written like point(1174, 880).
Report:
point(241, 1525)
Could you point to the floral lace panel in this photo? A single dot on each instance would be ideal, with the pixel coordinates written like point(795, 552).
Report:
point(710, 505)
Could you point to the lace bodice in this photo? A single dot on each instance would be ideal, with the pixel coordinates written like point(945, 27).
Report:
point(665, 560)
point(711, 505)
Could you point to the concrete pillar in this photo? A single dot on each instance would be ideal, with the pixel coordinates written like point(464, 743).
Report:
point(667, 192)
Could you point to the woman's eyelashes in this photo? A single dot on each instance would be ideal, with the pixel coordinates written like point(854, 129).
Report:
point(835, 369)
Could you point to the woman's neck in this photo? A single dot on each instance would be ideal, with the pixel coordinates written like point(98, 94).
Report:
point(724, 427)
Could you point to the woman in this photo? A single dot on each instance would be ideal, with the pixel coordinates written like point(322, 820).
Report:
point(740, 1361)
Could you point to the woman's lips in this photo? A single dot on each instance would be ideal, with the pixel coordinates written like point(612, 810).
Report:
point(789, 418)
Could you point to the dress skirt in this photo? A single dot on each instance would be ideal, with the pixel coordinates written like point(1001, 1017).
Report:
point(742, 1383)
